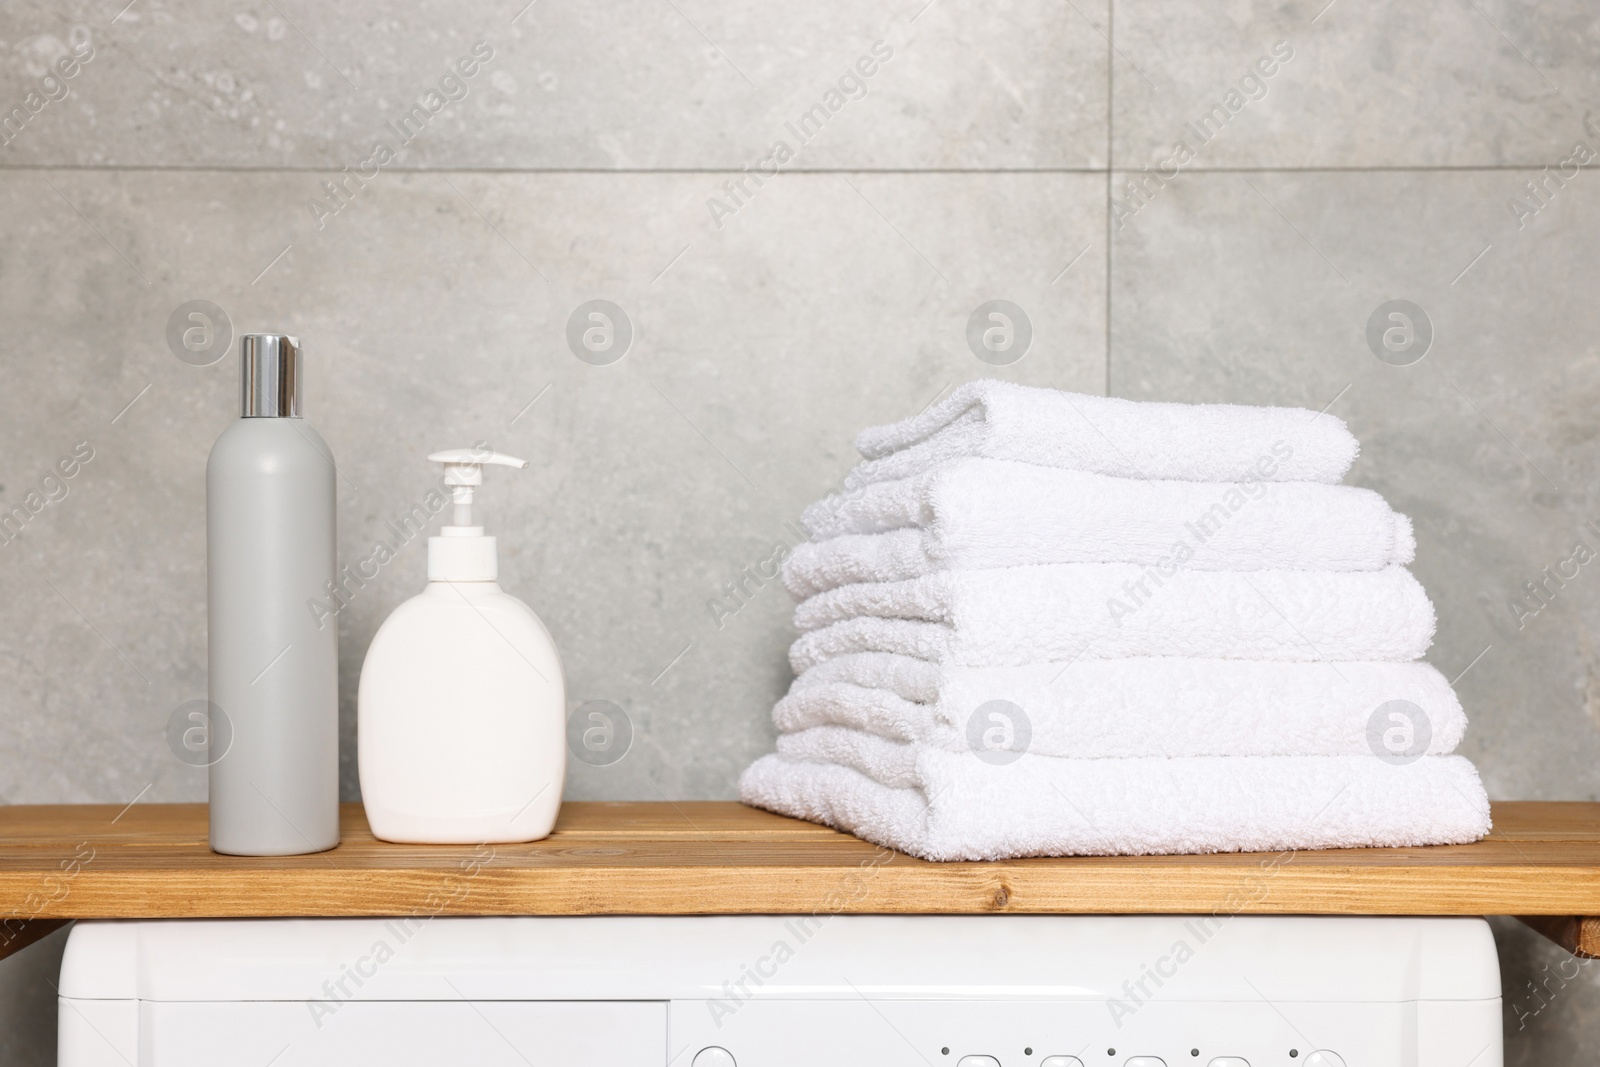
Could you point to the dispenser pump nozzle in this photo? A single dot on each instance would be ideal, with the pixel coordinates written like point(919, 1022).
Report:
point(462, 553)
point(463, 471)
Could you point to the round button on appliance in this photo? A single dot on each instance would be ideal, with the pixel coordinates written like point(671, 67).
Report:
point(1061, 1061)
point(713, 1057)
point(1324, 1058)
point(977, 1061)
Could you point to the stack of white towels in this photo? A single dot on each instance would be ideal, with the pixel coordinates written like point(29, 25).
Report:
point(1041, 623)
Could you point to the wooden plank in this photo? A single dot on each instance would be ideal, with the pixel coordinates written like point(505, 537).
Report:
point(1578, 935)
point(703, 857)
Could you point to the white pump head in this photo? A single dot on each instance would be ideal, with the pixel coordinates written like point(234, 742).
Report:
point(462, 553)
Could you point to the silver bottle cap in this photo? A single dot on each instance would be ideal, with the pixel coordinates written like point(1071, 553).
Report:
point(269, 379)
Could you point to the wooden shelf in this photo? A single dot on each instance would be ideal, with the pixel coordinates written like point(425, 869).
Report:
point(707, 857)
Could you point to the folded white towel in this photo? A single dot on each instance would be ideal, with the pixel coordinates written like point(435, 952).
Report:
point(1106, 435)
point(1015, 615)
point(956, 807)
point(973, 513)
point(1150, 706)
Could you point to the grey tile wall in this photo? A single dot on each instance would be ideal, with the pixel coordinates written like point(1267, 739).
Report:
point(1354, 83)
point(1023, 150)
point(624, 85)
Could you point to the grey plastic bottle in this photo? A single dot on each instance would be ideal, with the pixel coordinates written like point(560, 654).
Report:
point(274, 664)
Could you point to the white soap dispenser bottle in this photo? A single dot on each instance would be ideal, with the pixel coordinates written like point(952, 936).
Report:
point(461, 712)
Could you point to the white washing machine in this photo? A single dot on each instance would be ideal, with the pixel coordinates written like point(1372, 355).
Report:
point(783, 991)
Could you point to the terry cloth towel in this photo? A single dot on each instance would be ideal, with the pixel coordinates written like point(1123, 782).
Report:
point(1132, 707)
point(974, 513)
point(1015, 615)
point(955, 807)
point(1107, 435)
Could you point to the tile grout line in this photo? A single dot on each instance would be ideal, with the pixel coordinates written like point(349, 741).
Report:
point(1381, 168)
point(200, 168)
point(129, 168)
point(1111, 164)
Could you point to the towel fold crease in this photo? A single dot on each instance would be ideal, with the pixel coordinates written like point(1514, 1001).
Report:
point(1014, 615)
point(976, 513)
point(1107, 435)
point(1153, 706)
point(956, 807)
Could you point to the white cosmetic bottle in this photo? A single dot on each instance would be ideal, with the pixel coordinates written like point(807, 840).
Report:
point(461, 712)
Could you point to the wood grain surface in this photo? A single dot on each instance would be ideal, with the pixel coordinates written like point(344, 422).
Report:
point(707, 857)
